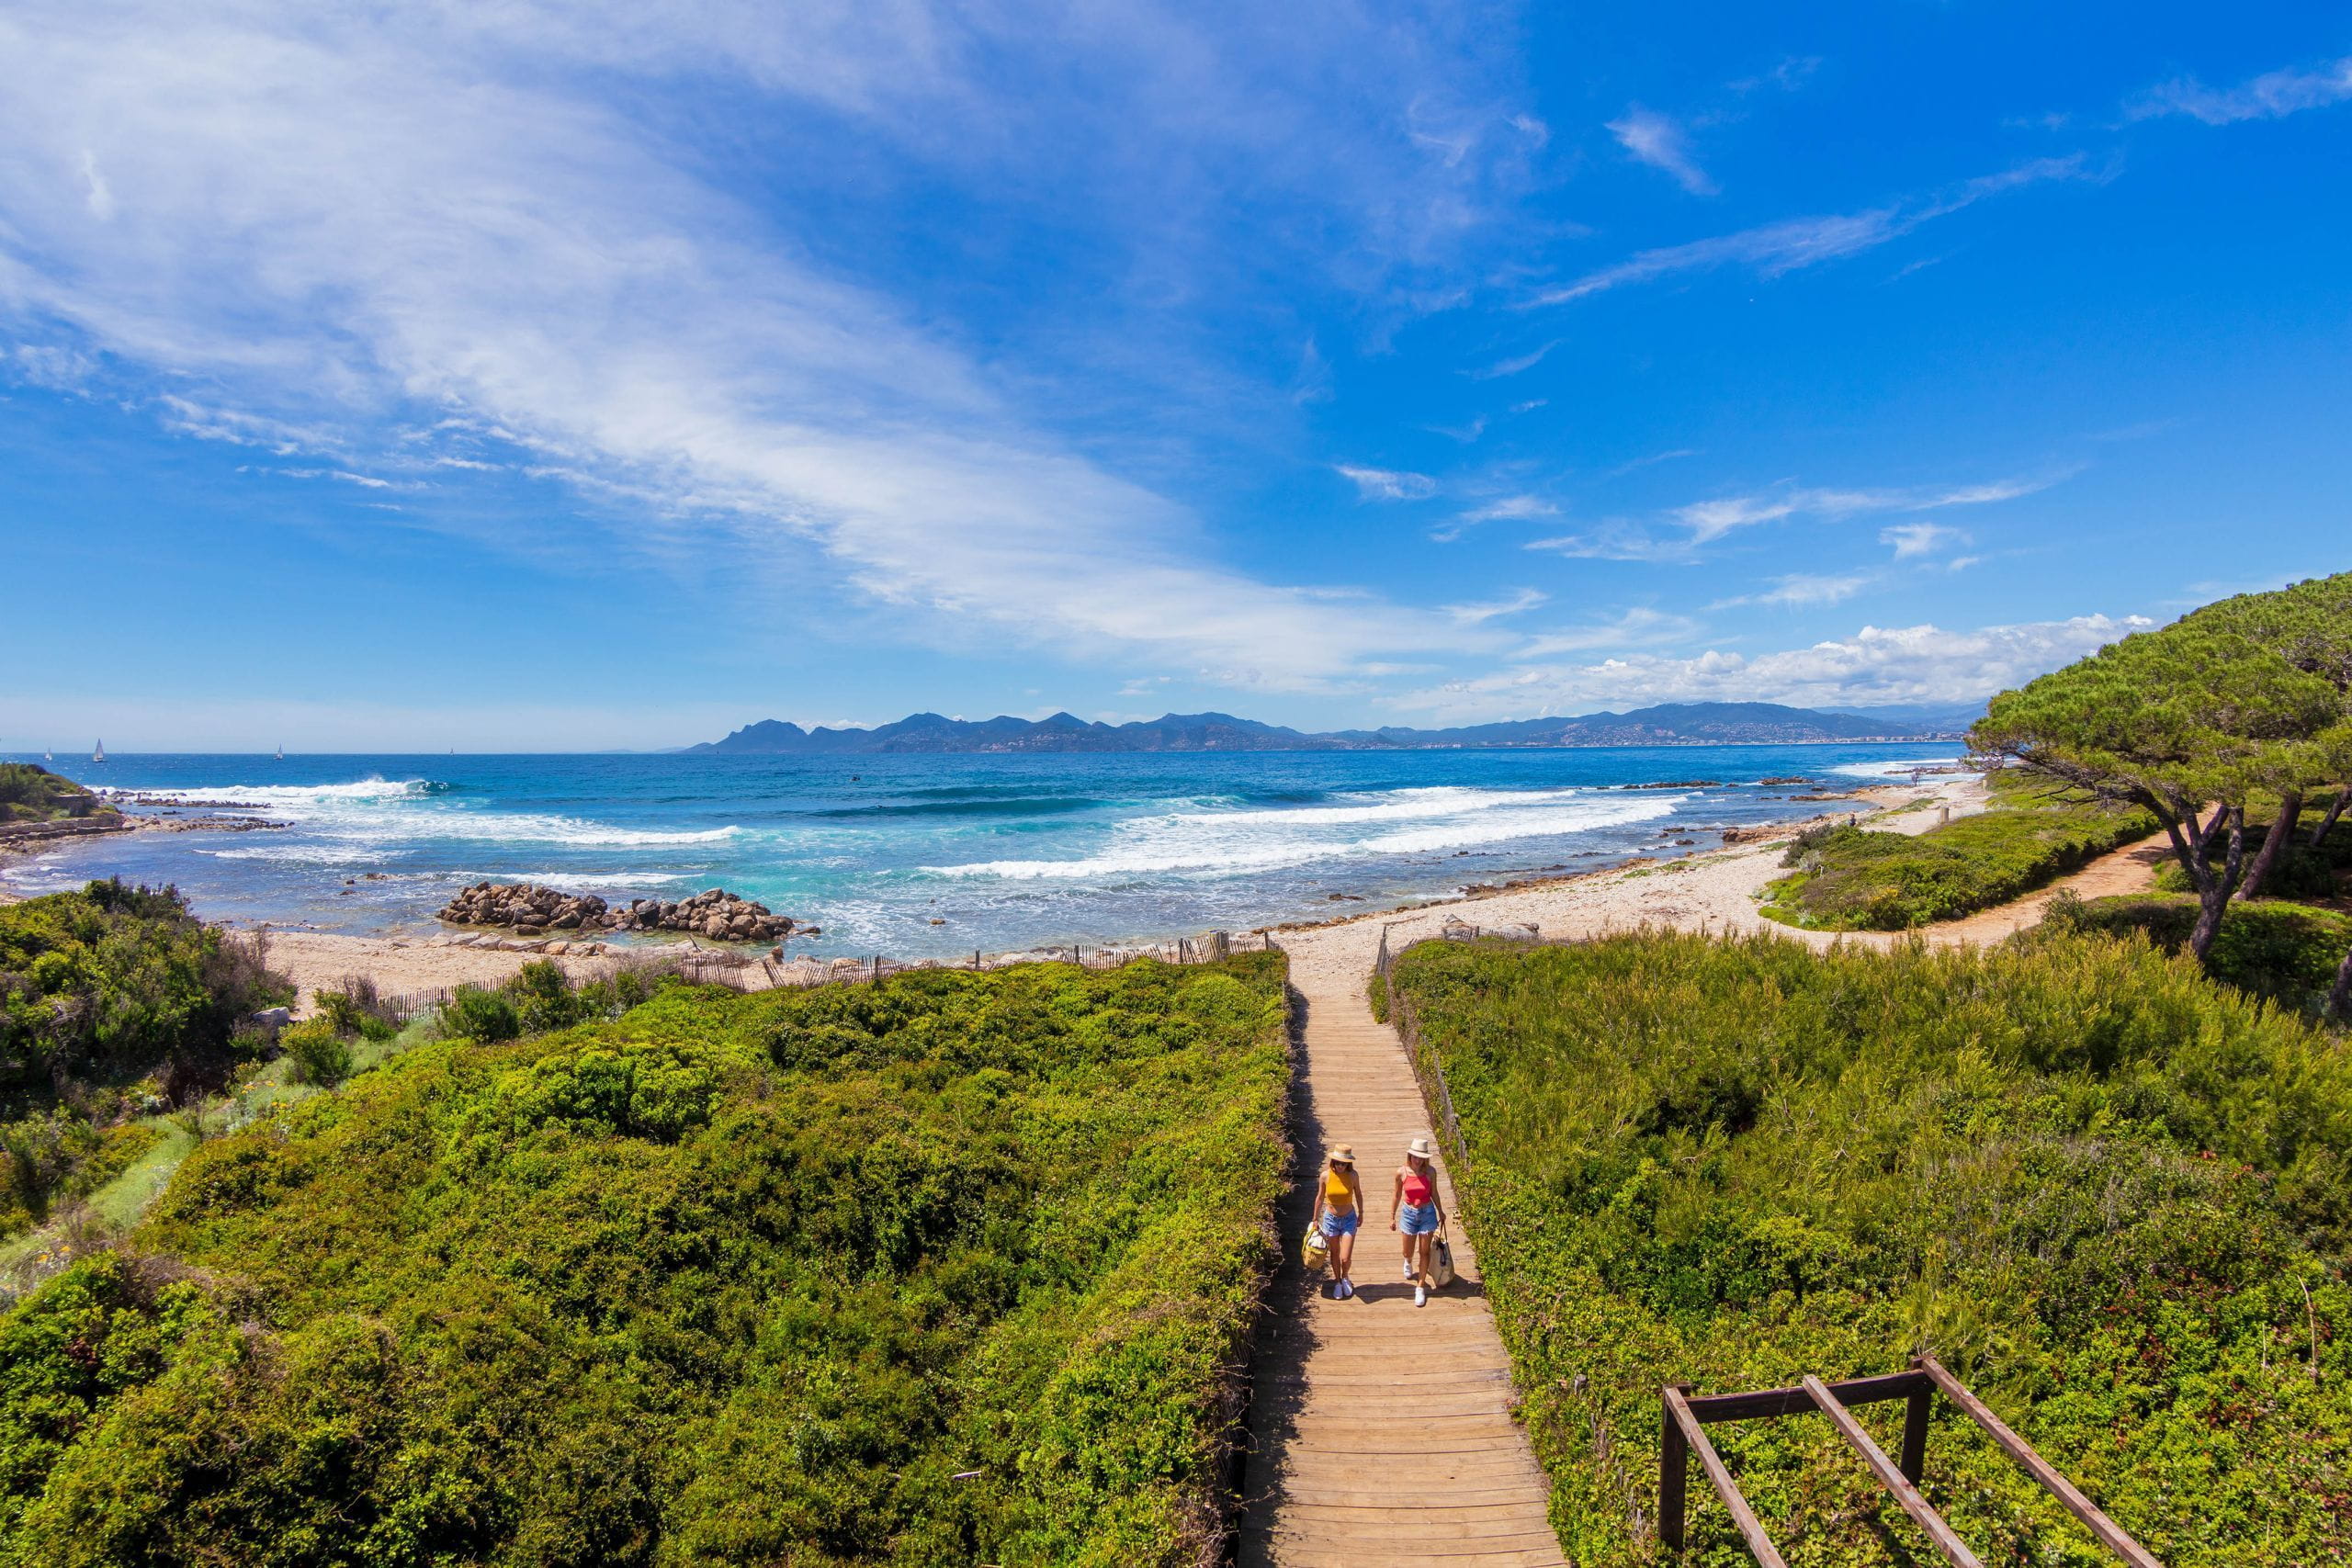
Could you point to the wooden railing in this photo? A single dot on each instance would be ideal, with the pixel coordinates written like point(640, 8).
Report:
point(1683, 1434)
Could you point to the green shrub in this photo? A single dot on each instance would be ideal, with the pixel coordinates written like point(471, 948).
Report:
point(29, 793)
point(949, 1269)
point(2286, 951)
point(112, 999)
point(2095, 1183)
point(486, 1017)
point(319, 1054)
point(1861, 879)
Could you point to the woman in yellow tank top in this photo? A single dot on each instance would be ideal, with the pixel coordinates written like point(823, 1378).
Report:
point(1338, 1209)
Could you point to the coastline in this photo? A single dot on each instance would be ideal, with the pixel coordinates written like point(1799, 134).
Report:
point(1713, 889)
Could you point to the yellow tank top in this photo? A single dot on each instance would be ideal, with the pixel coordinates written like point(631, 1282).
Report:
point(1335, 1191)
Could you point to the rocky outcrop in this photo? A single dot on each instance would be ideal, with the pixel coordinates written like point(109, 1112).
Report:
point(715, 913)
point(525, 905)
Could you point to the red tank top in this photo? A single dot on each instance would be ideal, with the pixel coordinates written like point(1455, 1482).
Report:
point(1417, 1188)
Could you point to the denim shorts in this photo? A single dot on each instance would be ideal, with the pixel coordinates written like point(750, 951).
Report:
point(1420, 1220)
point(1338, 1224)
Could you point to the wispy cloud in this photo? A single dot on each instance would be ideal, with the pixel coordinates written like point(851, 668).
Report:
point(1622, 469)
point(1386, 484)
point(1512, 604)
point(1504, 509)
point(1790, 72)
point(1640, 627)
point(1796, 590)
point(1661, 141)
point(1914, 539)
point(1512, 366)
point(2269, 96)
point(1774, 249)
point(1875, 665)
point(1711, 519)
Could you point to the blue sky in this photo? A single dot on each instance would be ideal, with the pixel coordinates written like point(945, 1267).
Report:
point(512, 375)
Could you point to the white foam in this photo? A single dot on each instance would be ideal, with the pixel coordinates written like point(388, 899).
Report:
point(1229, 843)
point(385, 811)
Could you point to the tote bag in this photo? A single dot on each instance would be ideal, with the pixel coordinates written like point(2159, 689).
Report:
point(1441, 1258)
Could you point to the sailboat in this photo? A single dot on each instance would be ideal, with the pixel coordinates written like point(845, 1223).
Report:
point(48, 756)
point(281, 750)
point(99, 754)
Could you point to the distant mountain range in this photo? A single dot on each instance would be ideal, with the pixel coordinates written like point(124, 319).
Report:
point(1671, 724)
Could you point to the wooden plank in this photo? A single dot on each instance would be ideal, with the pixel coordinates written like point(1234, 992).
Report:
point(1694, 1437)
point(1949, 1545)
point(2111, 1535)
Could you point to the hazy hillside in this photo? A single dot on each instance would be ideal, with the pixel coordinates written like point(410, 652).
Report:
point(1668, 724)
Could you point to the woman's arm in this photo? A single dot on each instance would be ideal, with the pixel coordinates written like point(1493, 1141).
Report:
point(1396, 1197)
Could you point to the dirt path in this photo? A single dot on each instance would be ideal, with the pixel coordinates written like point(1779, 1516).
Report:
point(1381, 1432)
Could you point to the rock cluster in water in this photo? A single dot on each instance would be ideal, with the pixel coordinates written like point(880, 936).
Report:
point(714, 913)
point(526, 907)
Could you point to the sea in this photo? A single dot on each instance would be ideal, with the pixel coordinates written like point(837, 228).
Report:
point(934, 856)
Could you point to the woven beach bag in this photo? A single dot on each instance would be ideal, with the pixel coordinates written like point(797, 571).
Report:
point(1441, 1258)
point(1315, 1252)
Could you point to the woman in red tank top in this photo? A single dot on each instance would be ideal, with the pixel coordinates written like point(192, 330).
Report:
point(1415, 1209)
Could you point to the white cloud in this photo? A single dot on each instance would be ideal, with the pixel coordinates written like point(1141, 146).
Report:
point(1913, 539)
point(1876, 665)
point(332, 218)
point(1711, 519)
point(1774, 249)
point(1388, 484)
point(2269, 96)
point(1512, 366)
point(1640, 627)
point(1512, 604)
point(1658, 140)
point(1805, 588)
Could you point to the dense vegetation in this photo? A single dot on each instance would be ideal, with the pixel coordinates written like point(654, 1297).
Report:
point(114, 1001)
point(946, 1269)
point(1862, 879)
point(2110, 1194)
point(30, 793)
point(2274, 948)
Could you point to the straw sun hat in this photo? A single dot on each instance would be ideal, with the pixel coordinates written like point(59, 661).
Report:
point(1343, 1154)
point(1419, 1149)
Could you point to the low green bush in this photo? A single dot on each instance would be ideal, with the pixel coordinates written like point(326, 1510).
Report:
point(2110, 1194)
point(2283, 951)
point(1862, 879)
point(320, 1055)
point(952, 1268)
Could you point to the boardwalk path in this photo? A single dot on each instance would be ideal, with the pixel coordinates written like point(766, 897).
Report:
point(1381, 1432)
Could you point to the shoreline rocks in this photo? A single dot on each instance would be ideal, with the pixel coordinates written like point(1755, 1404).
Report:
point(714, 914)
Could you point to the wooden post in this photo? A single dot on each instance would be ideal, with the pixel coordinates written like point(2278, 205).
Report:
point(1673, 1465)
point(1917, 1408)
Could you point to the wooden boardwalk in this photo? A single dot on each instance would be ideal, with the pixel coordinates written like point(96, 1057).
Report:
point(1381, 1433)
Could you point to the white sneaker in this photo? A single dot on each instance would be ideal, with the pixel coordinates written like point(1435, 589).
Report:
point(1420, 1296)
point(1409, 1273)
point(1346, 1290)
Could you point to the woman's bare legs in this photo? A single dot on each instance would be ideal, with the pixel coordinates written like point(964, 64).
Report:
point(1416, 1252)
point(1343, 1252)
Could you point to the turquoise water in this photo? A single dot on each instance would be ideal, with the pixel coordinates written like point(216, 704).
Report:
point(1005, 852)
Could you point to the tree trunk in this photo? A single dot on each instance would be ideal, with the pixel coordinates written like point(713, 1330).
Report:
point(2274, 844)
point(2334, 810)
point(2214, 888)
point(2339, 1000)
